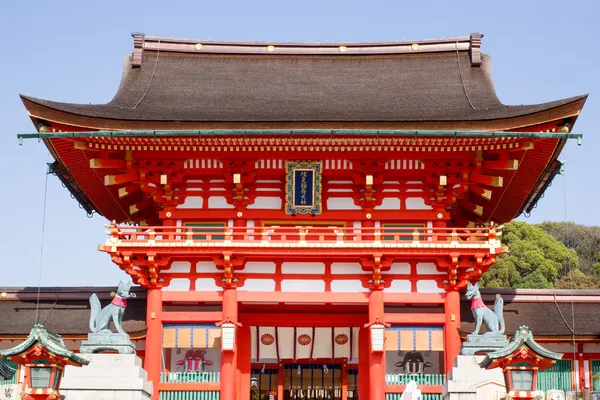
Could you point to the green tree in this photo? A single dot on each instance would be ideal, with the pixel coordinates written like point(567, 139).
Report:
point(578, 280)
point(585, 240)
point(534, 259)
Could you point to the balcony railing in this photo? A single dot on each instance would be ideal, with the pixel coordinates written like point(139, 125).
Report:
point(421, 379)
point(187, 377)
point(304, 236)
point(189, 386)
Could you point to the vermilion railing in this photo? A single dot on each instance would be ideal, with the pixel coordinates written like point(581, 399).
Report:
point(302, 235)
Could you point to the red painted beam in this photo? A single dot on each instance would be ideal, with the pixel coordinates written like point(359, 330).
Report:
point(308, 320)
point(185, 296)
point(303, 298)
point(191, 316)
point(413, 318)
point(414, 298)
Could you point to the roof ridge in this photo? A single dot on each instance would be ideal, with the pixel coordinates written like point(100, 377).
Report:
point(471, 43)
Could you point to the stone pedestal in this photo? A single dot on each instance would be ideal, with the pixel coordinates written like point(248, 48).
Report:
point(107, 377)
point(488, 342)
point(466, 380)
point(107, 341)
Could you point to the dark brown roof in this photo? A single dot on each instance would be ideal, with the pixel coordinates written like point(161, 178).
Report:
point(62, 310)
point(243, 82)
point(538, 310)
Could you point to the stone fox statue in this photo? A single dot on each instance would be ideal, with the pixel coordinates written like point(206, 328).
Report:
point(100, 317)
point(493, 320)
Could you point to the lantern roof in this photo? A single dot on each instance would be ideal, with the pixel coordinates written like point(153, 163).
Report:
point(521, 346)
point(51, 342)
point(6, 371)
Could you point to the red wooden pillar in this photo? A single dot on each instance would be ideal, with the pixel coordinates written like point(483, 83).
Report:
point(364, 350)
point(280, 381)
point(581, 367)
point(452, 323)
point(228, 358)
point(344, 391)
point(152, 359)
point(244, 353)
point(376, 359)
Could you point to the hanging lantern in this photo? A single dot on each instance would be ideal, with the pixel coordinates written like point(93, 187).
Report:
point(377, 330)
point(254, 383)
point(520, 361)
point(44, 357)
point(228, 333)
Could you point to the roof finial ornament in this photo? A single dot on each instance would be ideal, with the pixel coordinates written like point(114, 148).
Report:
point(138, 49)
point(475, 49)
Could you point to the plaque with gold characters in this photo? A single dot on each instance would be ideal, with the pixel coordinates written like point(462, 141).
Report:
point(303, 187)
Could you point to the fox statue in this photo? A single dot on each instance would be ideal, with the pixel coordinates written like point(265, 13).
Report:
point(493, 320)
point(100, 317)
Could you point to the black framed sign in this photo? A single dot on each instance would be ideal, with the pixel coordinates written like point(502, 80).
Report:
point(303, 187)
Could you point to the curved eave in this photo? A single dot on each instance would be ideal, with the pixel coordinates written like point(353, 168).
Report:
point(55, 113)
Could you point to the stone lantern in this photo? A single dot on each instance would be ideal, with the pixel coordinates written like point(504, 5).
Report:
point(520, 361)
point(44, 356)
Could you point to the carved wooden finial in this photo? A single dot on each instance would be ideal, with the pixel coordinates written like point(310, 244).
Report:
point(138, 49)
point(475, 49)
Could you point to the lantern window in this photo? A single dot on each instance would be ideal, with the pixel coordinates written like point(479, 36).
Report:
point(40, 377)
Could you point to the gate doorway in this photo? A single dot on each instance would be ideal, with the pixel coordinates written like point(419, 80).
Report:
point(304, 381)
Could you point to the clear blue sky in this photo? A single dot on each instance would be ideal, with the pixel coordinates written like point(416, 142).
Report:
point(73, 51)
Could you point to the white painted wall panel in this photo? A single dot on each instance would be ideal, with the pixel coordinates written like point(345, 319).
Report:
point(398, 268)
point(207, 284)
point(259, 285)
point(417, 203)
point(218, 202)
point(428, 268)
point(178, 284)
point(206, 266)
point(342, 203)
point(428, 286)
point(347, 268)
point(302, 285)
point(302, 268)
point(254, 267)
point(266, 203)
point(399, 286)
point(191, 202)
point(348, 286)
point(180, 266)
point(389, 204)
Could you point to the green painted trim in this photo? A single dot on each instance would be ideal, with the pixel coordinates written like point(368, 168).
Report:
point(300, 132)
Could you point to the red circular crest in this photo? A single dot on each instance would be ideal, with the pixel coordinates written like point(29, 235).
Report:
point(341, 339)
point(267, 339)
point(304, 340)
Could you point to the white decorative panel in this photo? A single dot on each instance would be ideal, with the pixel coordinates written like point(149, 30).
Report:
point(428, 286)
point(253, 267)
point(347, 268)
point(417, 203)
point(348, 286)
point(259, 285)
point(404, 164)
point(206, 266)
point(206, 284)
point(337, 164)
point(270, 164)
point(428, 268)
point(389, 203)
point(191, 202)
point(302, 268)
point(266, 203)
point(342, 203)
point(399, 286)
point(218, 202)
point(178, 284)
point(302, 285)
point(398, 268)
point(180, 266)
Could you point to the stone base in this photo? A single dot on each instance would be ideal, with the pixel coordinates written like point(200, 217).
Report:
point(107, 341)
point(485, 343)
point(467, 381)
point(107, 377)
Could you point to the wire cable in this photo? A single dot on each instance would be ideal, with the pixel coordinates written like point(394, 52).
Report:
point(37, 306)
